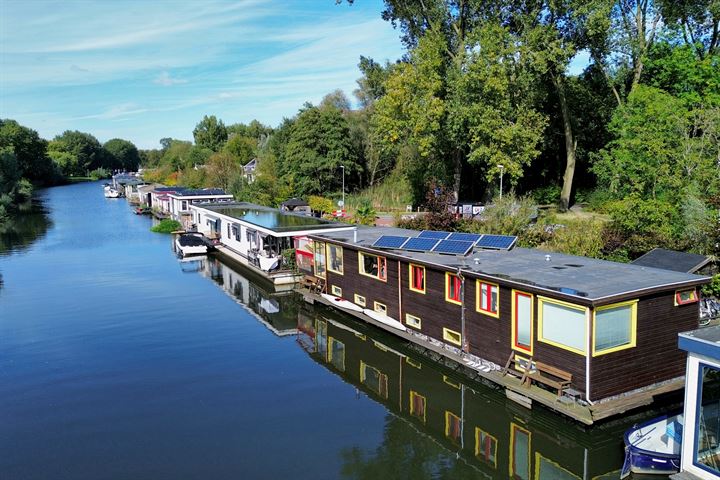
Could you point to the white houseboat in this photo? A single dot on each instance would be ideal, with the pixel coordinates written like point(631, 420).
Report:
point(257, 236)
point(179, 201)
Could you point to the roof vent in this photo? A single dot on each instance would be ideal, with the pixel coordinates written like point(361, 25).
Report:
point(547, 258)
point(477, 261)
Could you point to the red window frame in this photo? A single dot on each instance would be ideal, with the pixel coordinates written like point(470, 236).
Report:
point(454, 283)
point(417, 278)
point(516, 344)
point(488, 288)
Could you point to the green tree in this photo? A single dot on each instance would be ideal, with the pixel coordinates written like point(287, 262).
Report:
point(29, 149)
point(83, 146)
point(241, 147)
point(122, 154)
point(210, 133)
point(222, 170)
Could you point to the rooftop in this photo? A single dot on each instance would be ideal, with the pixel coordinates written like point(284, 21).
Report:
point(705, 341)
point(200, 192)
point(582, 277)
point(672, 260)
point(271, 218)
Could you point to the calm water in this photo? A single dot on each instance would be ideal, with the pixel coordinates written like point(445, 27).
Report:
point(117, 361)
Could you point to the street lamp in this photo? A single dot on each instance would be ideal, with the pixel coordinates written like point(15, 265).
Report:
point(343, 187)
point(501, 175)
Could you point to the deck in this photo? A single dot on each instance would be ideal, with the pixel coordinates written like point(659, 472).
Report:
point(285, 278)
point(524, 395)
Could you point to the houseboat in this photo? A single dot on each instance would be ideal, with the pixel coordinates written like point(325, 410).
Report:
point(257, 236)
point(586, 337)
point(179, 201)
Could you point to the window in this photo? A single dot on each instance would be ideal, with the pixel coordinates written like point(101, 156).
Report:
point(683, 297)
point(413, 321)
point(614, 327)
point(380, 308)
point(453, 430)
point(705, 442)
point(360, 300)
point(519, 453)
point(452, 336)
point(184, 205)
point(450, 382)
point(453, 285)
point(319, 252)
point(522, 327)
point(417, 278)
point(487, 298)
point(229, 231)
point(562, 324)
point(547, 469)
point(413, 363)
point(372, 266)
point(486, 447)
point(335, 258)
point(336, 354)
point(337, 291)
point(418, 405)
point(373, 379)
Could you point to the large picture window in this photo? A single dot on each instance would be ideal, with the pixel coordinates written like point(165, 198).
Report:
point(487, 298)
point(372, 266)
point(335, 258)
point(705, 443)
point(453, 285)
point(417, 278)
point(519, 453)
point(614, 327)
point(374, 379)
point(319, 252)
point(522, 327)
point(562, 324)
point(336, 354)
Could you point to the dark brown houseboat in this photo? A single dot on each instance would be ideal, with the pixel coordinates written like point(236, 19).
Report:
point(599, 334)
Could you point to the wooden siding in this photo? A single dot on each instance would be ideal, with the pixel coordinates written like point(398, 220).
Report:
point(655, 357)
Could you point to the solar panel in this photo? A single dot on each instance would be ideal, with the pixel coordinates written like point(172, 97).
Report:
point(434, 234)
point(457, 247)
point(498, 242)
point(420, 244)
point(390, 241)
point(465, 237)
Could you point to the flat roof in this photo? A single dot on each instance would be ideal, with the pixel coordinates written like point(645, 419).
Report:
point(703, 341)
point(271, 218)
point(672, 260)
point(200, 192)
point(581, 277)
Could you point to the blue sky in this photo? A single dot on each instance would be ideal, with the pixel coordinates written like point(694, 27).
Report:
point(143, 70)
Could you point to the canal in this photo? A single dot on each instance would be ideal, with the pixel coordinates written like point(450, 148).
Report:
point(118, 361)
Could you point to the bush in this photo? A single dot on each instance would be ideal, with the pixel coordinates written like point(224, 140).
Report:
point(509, 215)
point(365, 213)
point(712, 289)
point(166, 226)
point(582, 237)
point(546, 195)
point(289, 262)
point(99, 173)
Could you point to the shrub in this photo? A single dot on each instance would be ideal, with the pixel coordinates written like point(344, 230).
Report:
point(578, 237)
point(548, 194)
point(365, 214)
point(166, 226)
point(288, 256)
point(712, 288)
point(99, 173)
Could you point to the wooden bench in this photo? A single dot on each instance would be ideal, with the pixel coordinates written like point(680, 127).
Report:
point(550, 376)
point(313, 283)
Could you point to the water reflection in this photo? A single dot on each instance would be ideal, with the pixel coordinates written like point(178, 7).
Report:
point(440, 424)
point(24, 228)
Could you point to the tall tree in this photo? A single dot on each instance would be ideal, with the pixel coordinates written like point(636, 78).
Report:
point(84, 147)
point(29, 149)
point(122, 154)
point(210, 133)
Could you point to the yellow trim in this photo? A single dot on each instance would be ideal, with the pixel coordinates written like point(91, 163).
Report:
point(361, 266)
point(538, 457)
point(513, 428)
point(330, 351)
point(448, 336)
point(584, 310)
point(327, 258)
point(479, 282)
point(478, 431)
point(380, 346)
point(410, 278)
point(413, 363)
point(358, 301)
point(361, 336)
point(447, 380)
point(447, 289)
point(694, 300)
point(518, 367)
point(335, 290)
point(448, 414)
point(633, 327)
point(417, 324)
point(315, 253)
point(414, 394)
point(380, 310)
point(514, 322)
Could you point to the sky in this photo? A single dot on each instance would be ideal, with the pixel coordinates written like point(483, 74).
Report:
point(144, 70)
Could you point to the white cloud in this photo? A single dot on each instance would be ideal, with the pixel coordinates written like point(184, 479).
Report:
point(166, 80)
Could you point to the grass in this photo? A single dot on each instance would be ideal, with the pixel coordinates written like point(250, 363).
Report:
point(166, 226)
point(391, 195)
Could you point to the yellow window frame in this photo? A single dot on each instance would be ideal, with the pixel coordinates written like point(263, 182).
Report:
point(330, 342)
point(360, 300)
point(328, 263)
point(361, 266)
point(409, 322)
point(413, 363)
point(478, 432)
point(448, 336)
point(479, 282)
point(539, 457)
point(447, 380)
point(448, 275)
point(414, 394)
point(513, 319)
point(448, 415)
point(335, 290)
point(541, 300)
point(410, 278)
point(377, 307)
point(513, 429)
point(316, 247)
point(633, 327)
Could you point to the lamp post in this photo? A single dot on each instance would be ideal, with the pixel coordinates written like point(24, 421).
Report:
point(343, 187)
point(501, 167)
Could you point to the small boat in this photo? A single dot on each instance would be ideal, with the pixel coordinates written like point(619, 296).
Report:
point(143, 211)
point(191, 244)
point(342, 303)
point(111, 192)
point(384, 319)
point(653, 447)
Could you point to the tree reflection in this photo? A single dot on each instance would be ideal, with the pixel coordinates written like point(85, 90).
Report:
point(24, 228)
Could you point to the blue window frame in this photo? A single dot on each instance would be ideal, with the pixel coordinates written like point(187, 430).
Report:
point(706, 449)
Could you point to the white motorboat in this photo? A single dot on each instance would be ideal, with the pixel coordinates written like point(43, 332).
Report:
point(110, 192)
point(384, 319)
point(191, 244)
point(342, 303)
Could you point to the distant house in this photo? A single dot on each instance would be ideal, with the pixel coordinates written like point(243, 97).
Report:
point(296, 205)
point(249, 170)
point(676, 261)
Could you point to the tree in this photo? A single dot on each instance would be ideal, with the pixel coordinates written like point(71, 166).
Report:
point(29, 149)
point(210, 133)
point(371, 86)
point(241, 147)
point(336, 99)
point(122, 154)
point(85, 148)
point(222, 169)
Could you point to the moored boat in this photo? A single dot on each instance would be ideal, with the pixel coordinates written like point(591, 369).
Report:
point(653, 447)
point(384, 319)
point(110, 192)
point(191, 244)
point(342, 303)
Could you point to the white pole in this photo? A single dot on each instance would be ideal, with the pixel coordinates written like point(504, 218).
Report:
point(343, 186)
point(501, 175)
